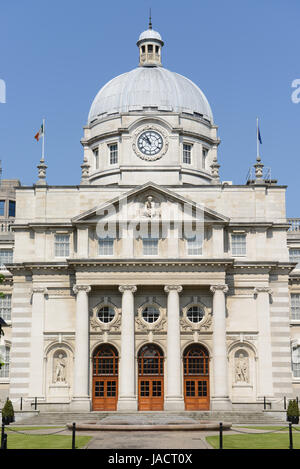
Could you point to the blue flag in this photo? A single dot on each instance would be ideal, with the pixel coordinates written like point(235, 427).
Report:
point(259, 136)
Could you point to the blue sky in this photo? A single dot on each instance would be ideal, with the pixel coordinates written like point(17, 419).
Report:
point(244, 55)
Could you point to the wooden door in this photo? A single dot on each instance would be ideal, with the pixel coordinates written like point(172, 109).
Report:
point(196, 378)
point(151, 378)
point(105, 378)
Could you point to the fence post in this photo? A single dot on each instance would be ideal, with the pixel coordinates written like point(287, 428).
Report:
point(21, 403)
point(73, 435)
point(291, 435)
point(221, 436)
point(264, 402)
point(35, 403)
point(284, 402)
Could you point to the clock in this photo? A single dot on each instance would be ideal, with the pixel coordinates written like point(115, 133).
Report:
point(150, 143)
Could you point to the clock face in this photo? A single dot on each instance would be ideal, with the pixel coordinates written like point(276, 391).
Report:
point(150, 142)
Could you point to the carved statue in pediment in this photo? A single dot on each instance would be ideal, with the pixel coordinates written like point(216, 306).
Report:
point(149, 210)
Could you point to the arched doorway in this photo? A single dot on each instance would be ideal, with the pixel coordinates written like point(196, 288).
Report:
point(105, 378)
point(196, 377)
point(151, 378)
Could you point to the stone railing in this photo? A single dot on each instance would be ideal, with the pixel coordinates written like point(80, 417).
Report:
point(294, 224)
point(5, 225)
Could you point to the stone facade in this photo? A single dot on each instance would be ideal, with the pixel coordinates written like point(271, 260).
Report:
point(78, 287)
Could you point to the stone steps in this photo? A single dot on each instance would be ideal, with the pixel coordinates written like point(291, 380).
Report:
point(62, 418)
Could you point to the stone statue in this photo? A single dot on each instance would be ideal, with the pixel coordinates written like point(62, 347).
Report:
point(241, 369)
point(60, 369)
point(149, 207)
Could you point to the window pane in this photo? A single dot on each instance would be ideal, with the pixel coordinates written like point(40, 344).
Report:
point(6, 257)
point(238, 245)
point(12, 208)
point(187, 149)
point(296, 362)
point(113, 153)
point(2, 207)
point(194, 245)
point(5, 307)
point(62, 245)
point(106, 246)
point(150, 314)
point(4, 372)
point(195, 313)
point(295, 305)
point(106, 314)
point(150, 246)
point(295, 256)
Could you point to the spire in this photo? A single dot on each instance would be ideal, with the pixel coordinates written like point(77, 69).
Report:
point(150, 23)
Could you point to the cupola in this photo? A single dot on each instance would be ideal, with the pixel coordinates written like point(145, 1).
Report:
point(150, 44)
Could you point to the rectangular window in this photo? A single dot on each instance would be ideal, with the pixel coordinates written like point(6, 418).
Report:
point(62, 245)
point(194, 245)
point(204, 155)
point(238, 244)
point(296, 362)
point(150, 246)
point(5, 308)
point(295, 306)
point(4, 372)
point(113, 153)
point(295, 256)
point(96, 155)
point(2, 208)
point(187, 153)
point(6, 257)
point(12, 208)
point(106, 246)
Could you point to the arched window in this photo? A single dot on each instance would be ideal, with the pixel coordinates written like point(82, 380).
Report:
point(150, 360)
point(196, 361)
point(105, 361)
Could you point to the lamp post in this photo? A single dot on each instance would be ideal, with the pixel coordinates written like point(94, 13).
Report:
point(2, 324)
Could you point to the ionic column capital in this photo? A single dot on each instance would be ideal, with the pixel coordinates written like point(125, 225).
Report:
point(263, 290)
point(177, 288)
point(131, 288)
point(219, 287)
point(42, 290)
point(84, 288)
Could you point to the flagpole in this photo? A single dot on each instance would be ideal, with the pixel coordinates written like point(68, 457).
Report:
point(257, 142)
point(43, 142)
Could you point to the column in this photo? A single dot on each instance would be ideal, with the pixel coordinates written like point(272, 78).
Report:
point(36, 388)
point(174, 396)
point(127, 389)
point(81, 399)
point(220, 398)
point(265, 380)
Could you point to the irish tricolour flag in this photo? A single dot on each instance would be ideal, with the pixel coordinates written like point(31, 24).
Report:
point(40, 133)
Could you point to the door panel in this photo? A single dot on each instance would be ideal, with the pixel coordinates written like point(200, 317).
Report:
point(196, 393)
point(151, 393)
point(105, 393)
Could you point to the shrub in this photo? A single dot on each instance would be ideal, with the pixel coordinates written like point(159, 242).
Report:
point(8, 414)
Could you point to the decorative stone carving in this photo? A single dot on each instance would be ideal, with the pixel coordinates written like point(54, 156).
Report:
point(149, 208)
point(177, 288)
point(222, 287)
point(205, 323)
point(60, 369)
point(158, 325)
point(78, 288)
point(263, 290)
point(97, 325)
point(131, 288)
point(241, 367)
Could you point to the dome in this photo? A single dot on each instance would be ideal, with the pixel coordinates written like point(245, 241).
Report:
point(154, 87)
point(150, 34)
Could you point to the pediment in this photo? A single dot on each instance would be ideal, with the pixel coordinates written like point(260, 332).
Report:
point(149, 202)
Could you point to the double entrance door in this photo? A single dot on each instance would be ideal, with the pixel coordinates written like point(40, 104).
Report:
point(151, 378)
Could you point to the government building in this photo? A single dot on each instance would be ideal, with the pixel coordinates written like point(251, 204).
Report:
point(152, 284)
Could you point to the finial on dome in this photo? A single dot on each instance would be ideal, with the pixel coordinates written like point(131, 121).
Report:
point(150, 23)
